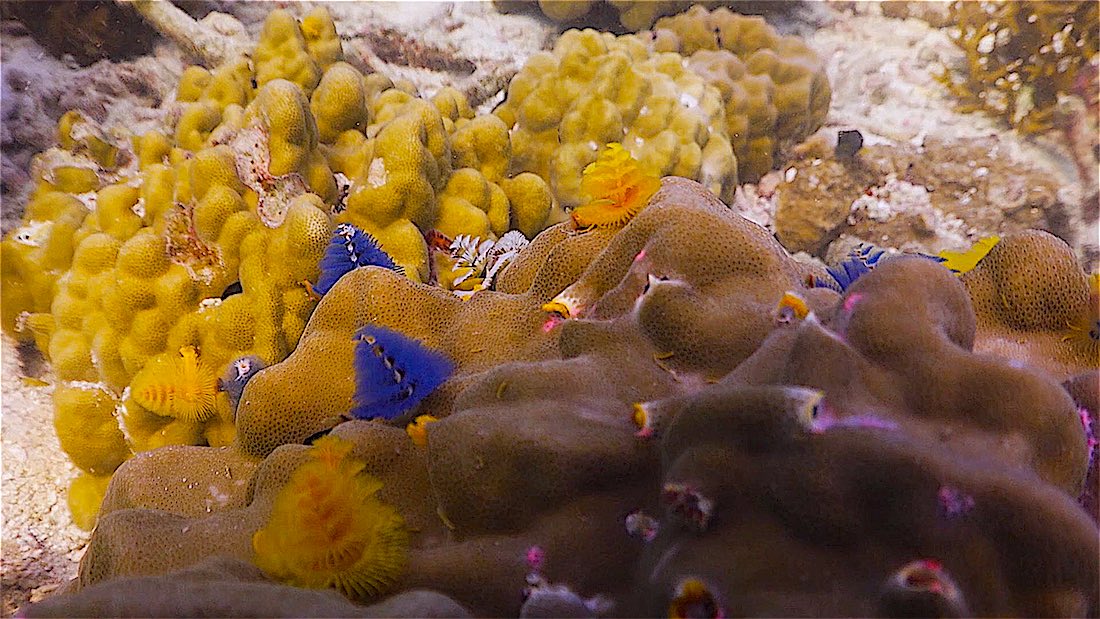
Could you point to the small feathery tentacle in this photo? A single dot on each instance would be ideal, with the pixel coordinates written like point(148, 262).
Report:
point(328, 528)
point(349, 249)
point(859, 262)
point(962, 261)
point(619, 188)
point(236, 376)
point(183, 387)
point(393, 372)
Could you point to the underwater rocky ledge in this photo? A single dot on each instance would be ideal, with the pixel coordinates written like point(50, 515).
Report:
point(641, 310)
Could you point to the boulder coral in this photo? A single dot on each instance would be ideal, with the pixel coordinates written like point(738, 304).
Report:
point(195, 240)
point(853, 457)
point(773, 87)
point(705, 95)
point(595, 88)
point(1035, 305)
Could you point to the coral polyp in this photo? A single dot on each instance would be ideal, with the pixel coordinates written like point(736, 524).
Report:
point(350, 248)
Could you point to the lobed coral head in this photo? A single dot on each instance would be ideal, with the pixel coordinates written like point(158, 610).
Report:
point(328, 529)
point(393, 373)
point(618, 186)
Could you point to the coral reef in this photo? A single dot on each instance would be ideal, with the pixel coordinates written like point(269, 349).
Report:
point(1035, 305)
point(796, 508)
point(84, 30)
point(595, 88)
point(632, 15)
point(774, 88)
point(938, 196)
point(135, 250)
point(892, 97)
point(37, 89)
point(876, 391)
point(533, 377)
point(228, 588)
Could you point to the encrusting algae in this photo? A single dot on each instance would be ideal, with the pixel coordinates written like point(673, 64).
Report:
point(329, 530)
point(1021, 55)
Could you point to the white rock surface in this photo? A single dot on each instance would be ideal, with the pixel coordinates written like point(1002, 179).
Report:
point(41, 545)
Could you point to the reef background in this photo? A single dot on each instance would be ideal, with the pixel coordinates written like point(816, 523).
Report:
point(881, 60)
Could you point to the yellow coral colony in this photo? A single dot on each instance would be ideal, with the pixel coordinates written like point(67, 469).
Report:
point(329, 530)
point(618, 186)
point(183, 387)
point(198, 236)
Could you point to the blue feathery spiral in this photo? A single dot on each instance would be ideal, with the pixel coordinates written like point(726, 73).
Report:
point(350, 249)
point(393, 373)
point(859, 262)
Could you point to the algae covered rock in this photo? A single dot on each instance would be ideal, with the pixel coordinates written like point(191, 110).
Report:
point(1021, 56)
